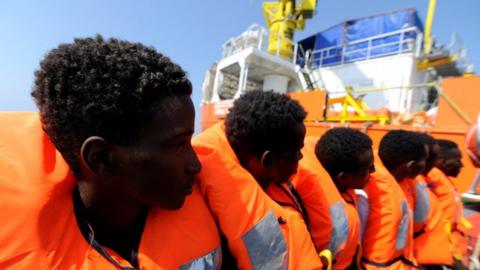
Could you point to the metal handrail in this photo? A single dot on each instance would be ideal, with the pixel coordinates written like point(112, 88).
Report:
point(318, 57)
point(230, 47)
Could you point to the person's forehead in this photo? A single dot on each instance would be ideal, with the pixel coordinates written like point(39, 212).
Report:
point(294, 141)
point(455, 153)
point(435, 149)
point(366, 157)
point(174, 118)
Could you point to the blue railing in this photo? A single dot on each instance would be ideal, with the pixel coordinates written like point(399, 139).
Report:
point(397, 42)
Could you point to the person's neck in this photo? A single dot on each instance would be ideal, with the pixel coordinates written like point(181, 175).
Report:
point(109, 213)
point(254, 167)
point(263, 184)
point(340, 188)
point(398, 175)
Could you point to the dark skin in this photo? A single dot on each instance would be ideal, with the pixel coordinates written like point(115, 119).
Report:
point(358, 178)
point(433, 151)
point(452, 164)
point(410, 169)
point(274, 166)
point(119, 183)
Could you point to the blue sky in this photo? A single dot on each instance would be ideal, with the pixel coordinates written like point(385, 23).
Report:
point(190, 32)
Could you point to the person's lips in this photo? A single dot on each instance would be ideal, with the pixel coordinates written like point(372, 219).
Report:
point(189, 188)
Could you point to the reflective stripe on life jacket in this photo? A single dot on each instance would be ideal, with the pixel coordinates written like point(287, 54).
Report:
point(363, 209)
point(339, 234)
point(39, 229)
point(402, 233)
point(265, 244)
point(422, 205)
point(260, 233)
point(389, 230)
point(431, 243)
point(343, 230)
point(210, 261)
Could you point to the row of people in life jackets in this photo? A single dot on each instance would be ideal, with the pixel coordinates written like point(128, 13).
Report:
point(107, 176)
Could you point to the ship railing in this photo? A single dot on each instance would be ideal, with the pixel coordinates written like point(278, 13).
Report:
point(403, 41)
point(457, 48)
point(256, 37)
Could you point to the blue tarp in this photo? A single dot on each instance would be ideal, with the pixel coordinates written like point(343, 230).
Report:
point(363, 28)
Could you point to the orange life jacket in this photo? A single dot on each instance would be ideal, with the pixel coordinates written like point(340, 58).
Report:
point(310, 203)
point(387, 241)
point(333, 225)
point(431, 243)
point(260, 233)
point(451, 204)
point(39, 229)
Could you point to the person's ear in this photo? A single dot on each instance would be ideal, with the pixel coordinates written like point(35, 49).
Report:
point(340, 179)
point(267, 159)
point(341, 176)
point(409, 164)
point(441, 161)
point(96, 154)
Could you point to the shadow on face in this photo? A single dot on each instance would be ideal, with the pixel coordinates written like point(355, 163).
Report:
point(159, 166)
point(283, 163)
point(452, 165)
point(416, 167)
point(432, 159)
point(359, 178)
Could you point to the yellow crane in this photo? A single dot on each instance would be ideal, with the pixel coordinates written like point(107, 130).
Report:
point(283, 18)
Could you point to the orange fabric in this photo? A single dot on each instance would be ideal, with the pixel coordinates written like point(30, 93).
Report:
point(432, 246)
point(238, 203)
point(39, 228)
point(451, 204)
point(385, 216)
point(446, 193)
point(314, 201)
point(317, 189)
point(284, 197)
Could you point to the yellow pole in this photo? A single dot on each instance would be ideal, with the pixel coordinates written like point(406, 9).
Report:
point(427, 41)
point(281, 23)
point(283, 18)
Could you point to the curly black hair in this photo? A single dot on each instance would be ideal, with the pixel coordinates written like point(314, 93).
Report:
point(430, 142)
point(109, 88)
point(445, 148)
point(400, 146)
point(427, 139)
point(263, 120)
point(339, 149)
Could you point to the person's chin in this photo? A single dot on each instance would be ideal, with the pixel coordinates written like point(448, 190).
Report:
point(283, 180)
point(175, 205)
point(361, 186)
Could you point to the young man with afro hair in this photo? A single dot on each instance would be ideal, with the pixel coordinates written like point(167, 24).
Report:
point(404, 154)
point(449, 158)
point(432, 246)
point(441, 181)
point(258, 146)
point(347, 156)
point(120, 192)
point(386, 231)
